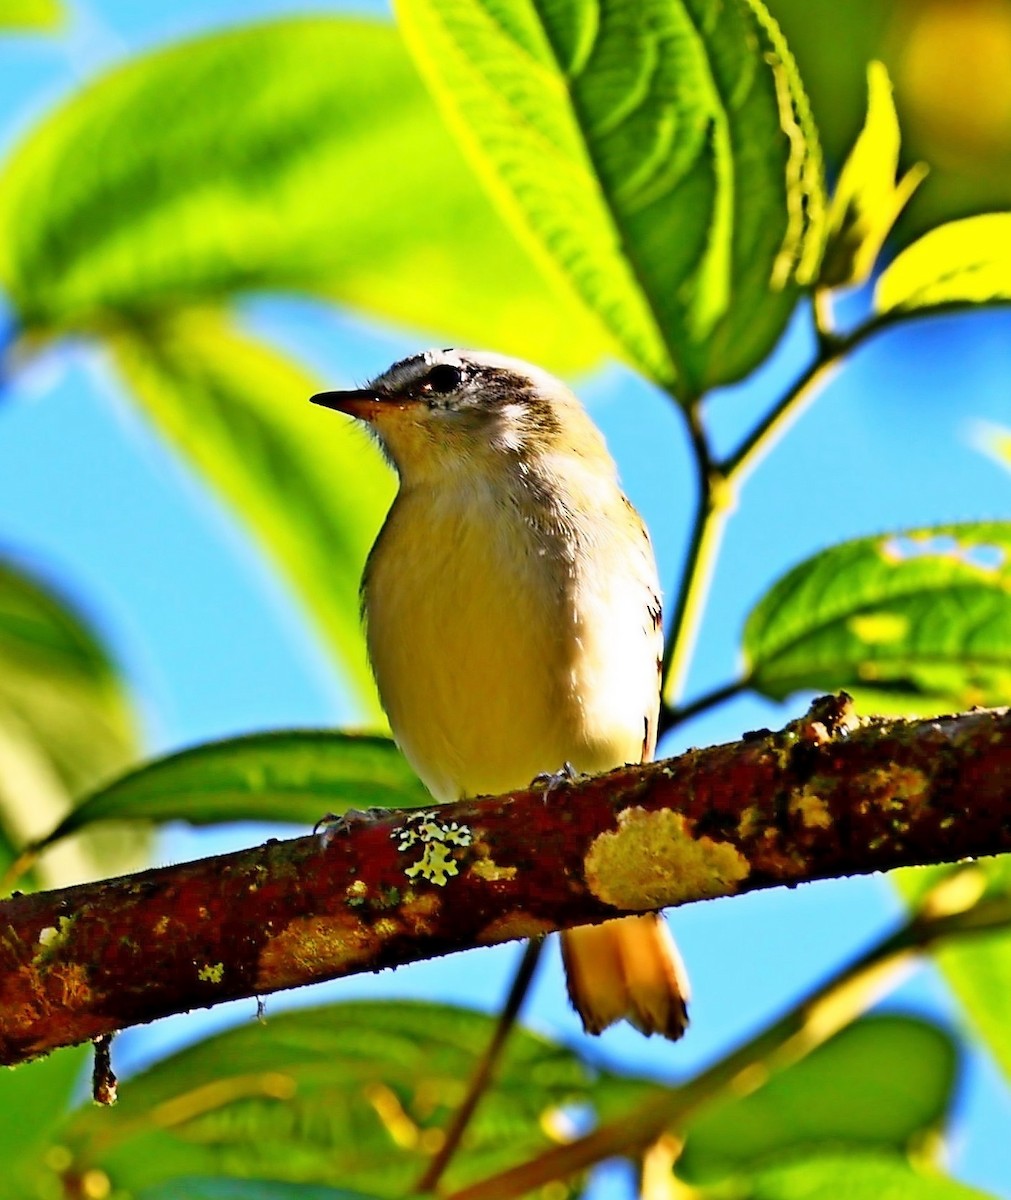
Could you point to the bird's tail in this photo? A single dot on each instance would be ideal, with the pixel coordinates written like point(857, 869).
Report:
point(627, 969)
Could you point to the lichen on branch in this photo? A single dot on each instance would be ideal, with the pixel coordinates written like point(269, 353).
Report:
point(829, 795)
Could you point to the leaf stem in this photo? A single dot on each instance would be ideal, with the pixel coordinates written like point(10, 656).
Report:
point(485, 1068)
point(671, 717)
point(807, 1025)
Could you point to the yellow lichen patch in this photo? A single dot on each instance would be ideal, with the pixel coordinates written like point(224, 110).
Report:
point(211, 972)
point(899, 786)
point(314, 946)
point(511, 926)
point(160, 927)
point(357, 890)
point(74, 990)
point(489, 870)
point(417, 910)
point(751, 821)
point(812, 809)
point(652, 860)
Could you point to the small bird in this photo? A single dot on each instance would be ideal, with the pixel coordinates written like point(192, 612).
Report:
point(513, 619)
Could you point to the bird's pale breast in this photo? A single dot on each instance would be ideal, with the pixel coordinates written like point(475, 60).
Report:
point(504, 647)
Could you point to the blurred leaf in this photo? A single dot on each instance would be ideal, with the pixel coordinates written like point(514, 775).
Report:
point(311, 489)
point(34, 1099)
point(301, 154)
point(963, 262)
point(352, 1094)
point(245, 1189)
point(854, 1177)
point(951, 64)
point(914, 622)
point(868, 198)
point(31, 14)
point(291, 775)
point(878, 1085)
point(977, 968)
point(661, 154)
point(65, 723)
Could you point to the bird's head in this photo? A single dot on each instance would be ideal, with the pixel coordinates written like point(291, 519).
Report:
point(446, 411)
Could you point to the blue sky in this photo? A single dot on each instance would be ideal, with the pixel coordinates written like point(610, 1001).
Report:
point(213, 644)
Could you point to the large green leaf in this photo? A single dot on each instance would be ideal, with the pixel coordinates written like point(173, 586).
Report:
point(31, 14)
point(292, 775)
point(963, 262)
point(301, 153)
point(854, 1177)
point(34, 1099)
point(660, 152)
point(350, 1095)
point(65, 722)
point(310, 488)
point(913, 622)
point(879, 1085)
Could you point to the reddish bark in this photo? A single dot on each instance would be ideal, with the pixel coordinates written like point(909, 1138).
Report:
point(827, 796)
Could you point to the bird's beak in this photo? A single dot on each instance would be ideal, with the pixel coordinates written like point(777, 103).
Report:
point(362, 403)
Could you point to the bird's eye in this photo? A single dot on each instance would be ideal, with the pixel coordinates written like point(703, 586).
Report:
point(443, 378)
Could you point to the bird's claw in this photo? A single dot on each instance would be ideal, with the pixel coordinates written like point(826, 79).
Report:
point(333, 823)
point(551, 781)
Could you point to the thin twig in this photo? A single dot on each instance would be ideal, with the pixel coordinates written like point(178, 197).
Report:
point(672, 716)
point(485, 1068)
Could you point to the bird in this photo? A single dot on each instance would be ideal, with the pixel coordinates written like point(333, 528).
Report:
point(513, 620)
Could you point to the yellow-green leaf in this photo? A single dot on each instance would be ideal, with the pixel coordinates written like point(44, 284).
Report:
point(300, 154)
point(311, 490)
point(912, 622)
point(963, 262)
point(660, 153)
point(868, 198)
point(31, 14)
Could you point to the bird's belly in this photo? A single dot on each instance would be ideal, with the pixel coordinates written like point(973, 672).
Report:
point(480, 664)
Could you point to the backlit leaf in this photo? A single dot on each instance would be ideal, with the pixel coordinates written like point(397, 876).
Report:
point(963, 262)
point(661, 154)
point(917, 622)
point(977, 968)
point(311, 489)
point(35, 1098)
point(296, 775)
point(299, 154)
point(245, 1189)
point(868, 198)
point(65, 722)
point(878, 1085)
point(31, 14)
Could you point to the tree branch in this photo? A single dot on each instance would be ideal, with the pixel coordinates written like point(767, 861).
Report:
point(830, 795)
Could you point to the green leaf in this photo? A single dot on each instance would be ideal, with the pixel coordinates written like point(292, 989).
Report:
point(963, 262)
point(350, 1095)
point(312, 490)
point(301, 154)
point(868, 198)
point(914, 622)
point(856, 1177)
point(879, 1085)
point(291, 775)
point(245, 1189)
point(661, 154)
point(65, 721)
point(34, 1100)
point(31, 14)
point(978, 967)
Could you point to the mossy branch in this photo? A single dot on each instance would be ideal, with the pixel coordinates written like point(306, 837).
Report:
point(829, 795)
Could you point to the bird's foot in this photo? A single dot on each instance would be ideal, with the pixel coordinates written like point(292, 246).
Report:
point(551, 781)
point(333, 823)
